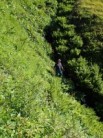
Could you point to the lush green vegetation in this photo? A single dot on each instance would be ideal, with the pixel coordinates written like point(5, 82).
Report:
point(77, 36)
point(33, 102)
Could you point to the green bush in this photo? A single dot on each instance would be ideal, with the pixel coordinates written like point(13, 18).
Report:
point(87, 74)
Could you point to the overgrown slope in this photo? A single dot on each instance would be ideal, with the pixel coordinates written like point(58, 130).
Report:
point(32, 102)
point(77, 36)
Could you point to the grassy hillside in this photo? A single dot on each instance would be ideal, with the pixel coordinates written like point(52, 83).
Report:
point(95, 7)
point(88, 19)
point(33, 102)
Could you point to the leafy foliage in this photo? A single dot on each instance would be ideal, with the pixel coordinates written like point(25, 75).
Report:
point(32, 102)
point(77, 37)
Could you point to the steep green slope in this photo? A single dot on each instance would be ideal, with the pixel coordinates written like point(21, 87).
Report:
point(32, 102)
point(76, 34)
point(88, 19)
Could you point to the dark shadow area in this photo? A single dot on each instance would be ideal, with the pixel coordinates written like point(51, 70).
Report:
point(82, 93)
point(48, 35)
point(94, 100)
point(87, 96)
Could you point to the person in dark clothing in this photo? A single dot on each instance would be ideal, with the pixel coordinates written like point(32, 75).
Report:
point(59, 68)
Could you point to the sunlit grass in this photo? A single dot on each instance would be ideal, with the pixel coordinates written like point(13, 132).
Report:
point(93, 6)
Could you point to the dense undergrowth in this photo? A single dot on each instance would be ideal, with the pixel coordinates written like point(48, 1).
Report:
point(76, 34)
point(32, 102)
